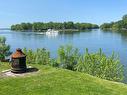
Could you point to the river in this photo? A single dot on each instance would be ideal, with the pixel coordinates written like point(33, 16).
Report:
point(93, 40)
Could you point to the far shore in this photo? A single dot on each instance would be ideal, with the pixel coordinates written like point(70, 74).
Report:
point(60, 30)
point(5, 29)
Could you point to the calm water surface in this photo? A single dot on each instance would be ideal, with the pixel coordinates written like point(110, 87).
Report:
point(93, 40)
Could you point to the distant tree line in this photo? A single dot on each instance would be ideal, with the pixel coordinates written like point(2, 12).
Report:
point(118, 25)
point(40, 26)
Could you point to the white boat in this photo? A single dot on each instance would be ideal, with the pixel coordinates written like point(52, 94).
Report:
point(52, 32)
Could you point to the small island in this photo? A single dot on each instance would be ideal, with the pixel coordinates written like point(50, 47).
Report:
point(41, 26)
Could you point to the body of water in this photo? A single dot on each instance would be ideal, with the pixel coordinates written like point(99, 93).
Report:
point(93, 40)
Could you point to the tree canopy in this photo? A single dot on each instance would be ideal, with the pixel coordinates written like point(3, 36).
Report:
point(118, 25)
point(39, 26)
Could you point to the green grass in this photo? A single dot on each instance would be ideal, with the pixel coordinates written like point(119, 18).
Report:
point(53, 81)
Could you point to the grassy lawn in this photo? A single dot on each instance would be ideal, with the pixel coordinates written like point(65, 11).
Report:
point(53, 81)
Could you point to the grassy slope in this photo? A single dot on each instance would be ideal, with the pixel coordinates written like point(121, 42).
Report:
point(52, 81)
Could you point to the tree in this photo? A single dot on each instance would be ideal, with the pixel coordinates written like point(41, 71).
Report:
point(40, 26)
point(106, 26)
point(4, 49)
point(124, 17)
point(118, 25)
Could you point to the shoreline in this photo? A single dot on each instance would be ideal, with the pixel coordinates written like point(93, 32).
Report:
point(60, 30)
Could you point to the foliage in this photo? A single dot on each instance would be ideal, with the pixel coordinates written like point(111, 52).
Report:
point(68, 57)
point(106, 25)
point(124, 18)
point(40, 26)
point(118, 25)
point(98, 64)
point(54, 63)
point(4, 49)
point(40, 56)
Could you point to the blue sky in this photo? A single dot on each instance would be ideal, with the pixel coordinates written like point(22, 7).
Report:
point(93, 11)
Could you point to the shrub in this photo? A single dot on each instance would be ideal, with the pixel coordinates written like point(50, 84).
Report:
point(40, 56)
point(68, 57)
point(54, 63)
point(4, 49)
point(98, 64)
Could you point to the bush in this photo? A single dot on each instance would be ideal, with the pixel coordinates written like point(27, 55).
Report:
point(40, 56)
point(4, 49)
point(98, 64)
point(68, 57)
point(54, 63)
